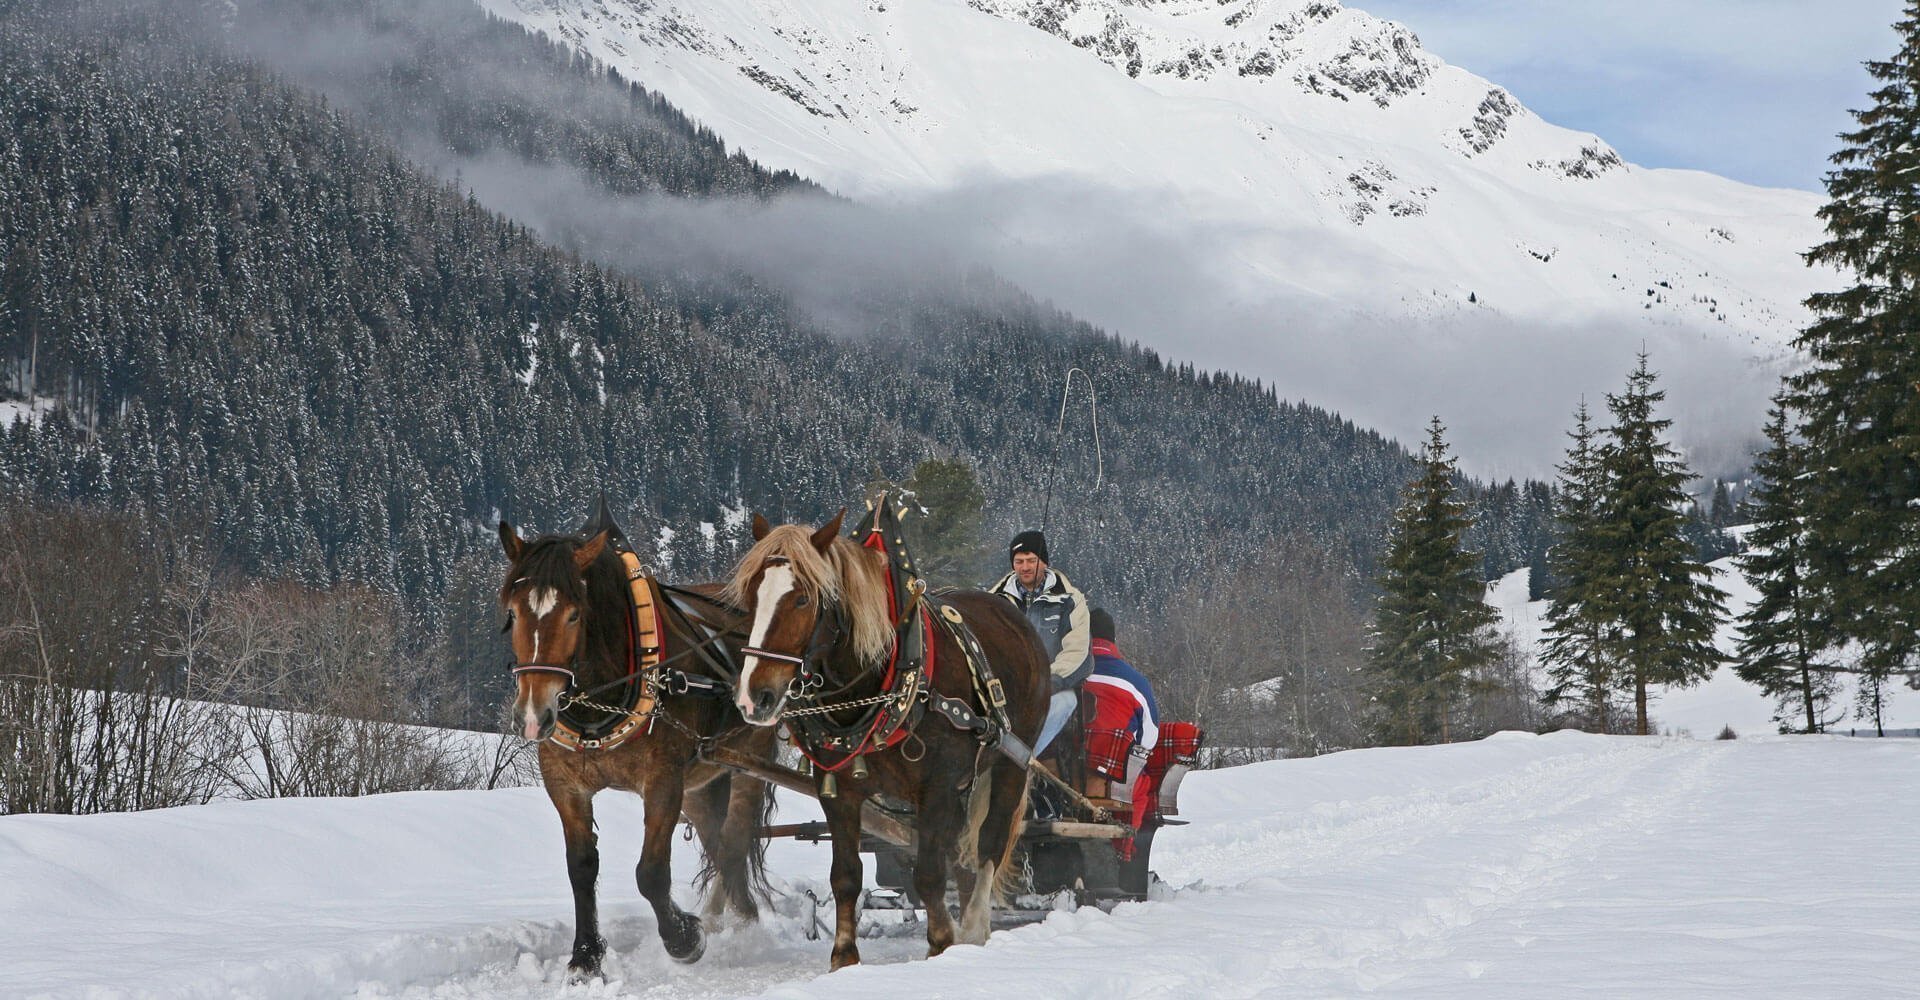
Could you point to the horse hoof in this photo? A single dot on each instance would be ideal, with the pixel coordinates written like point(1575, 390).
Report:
point(585, 964)
point(688, 943)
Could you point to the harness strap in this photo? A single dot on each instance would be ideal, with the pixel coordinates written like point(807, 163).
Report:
point(992, 727)
point(710, 650)
point(767, 654)
point(543, 668)
point(679, 683)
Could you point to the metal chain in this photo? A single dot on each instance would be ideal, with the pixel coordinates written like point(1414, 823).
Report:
point(878, 699)
point(702, 744)
point(574, 699)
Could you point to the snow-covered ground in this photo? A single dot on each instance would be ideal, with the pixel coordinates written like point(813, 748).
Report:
point(1724, 700)
point(1519, 866)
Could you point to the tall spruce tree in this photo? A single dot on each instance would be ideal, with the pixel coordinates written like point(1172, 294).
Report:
point(1577, 656)
point(1432, 628)
point(947, 536)
point(1649, 588)
point(1860, 399)
point(1783, 634)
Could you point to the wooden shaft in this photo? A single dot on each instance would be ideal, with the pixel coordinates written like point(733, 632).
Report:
point(1073, 793)
point(872, 820)
point(1087, 831)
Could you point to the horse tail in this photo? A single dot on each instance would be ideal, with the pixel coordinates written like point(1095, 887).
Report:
point(1006, 879)
point(995, 794)
point(979, 803)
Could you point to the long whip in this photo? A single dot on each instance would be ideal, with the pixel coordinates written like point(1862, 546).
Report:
point(1060, 442)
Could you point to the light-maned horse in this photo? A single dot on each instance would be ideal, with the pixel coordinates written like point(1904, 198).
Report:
point(569, 618)
point(821, 598)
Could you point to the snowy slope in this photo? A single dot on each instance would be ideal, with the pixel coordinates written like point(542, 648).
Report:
point(1725, 699)
point(1518, 867)
point(1308, 171)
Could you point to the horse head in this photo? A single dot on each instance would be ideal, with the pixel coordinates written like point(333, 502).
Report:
point(548, 604)
point(811, 595)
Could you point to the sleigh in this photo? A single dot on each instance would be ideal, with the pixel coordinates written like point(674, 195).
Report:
point(1081, 845)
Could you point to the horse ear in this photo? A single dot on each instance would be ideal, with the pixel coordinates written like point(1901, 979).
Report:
point(586, 554)
point(824, 537)
point(760, 527)
point(510, 542)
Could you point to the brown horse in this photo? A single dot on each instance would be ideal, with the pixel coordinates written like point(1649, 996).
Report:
point(570, 620)
point(822, 623)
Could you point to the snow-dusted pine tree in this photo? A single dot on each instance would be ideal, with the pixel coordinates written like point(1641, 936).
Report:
point(1860, 399)
point(1783, 636)
point(1432, 629)
point(1649, 589)
point(1576, 656)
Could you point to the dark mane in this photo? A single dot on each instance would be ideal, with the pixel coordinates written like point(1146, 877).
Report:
point(601, 596)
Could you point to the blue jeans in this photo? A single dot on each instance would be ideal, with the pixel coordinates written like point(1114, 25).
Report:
point(1059, 710)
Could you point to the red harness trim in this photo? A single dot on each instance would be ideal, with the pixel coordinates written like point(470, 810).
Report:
point(875, 540)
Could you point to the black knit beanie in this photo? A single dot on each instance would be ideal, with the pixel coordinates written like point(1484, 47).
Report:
point(1100, 624)
point(1029, 541)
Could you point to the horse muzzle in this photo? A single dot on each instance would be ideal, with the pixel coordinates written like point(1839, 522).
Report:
point(537, 726)
point(761, 708)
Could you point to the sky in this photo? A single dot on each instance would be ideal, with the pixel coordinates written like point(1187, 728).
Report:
point(1754, 90)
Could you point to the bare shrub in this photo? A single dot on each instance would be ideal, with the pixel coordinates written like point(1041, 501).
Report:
point(88, 722)
point(1266, 655)
point(512, 761)
point(325, 700)
point(133, 676)
point(1502, 694)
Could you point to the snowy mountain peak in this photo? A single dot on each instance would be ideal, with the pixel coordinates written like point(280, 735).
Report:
point(1228, 178)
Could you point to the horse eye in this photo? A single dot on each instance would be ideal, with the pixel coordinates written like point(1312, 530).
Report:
point(574, 615)
point(800, 602)
point(508, 627)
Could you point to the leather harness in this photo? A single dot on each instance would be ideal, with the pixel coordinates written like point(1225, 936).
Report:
point(906, 690)
point(657, 612)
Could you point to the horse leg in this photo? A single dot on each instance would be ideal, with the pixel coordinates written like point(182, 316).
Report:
point(743, 846)
point(679, 930)
point(934, 826)
point(575, 806)
point(994, 830)
point(848, 876)
point(705, 809)
point(936, 830)
point(727, 814)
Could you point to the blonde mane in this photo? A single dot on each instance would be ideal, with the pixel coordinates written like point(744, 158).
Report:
point(847, 573)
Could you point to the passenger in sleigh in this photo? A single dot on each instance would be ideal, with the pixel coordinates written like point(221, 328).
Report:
point(1124, 725)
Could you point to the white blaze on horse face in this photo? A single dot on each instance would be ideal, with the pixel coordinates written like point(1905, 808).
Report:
point(775, 584)
point(540, 602)
point(536, 638)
